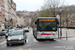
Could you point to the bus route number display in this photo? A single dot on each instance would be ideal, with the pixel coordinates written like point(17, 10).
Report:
point(46, 20)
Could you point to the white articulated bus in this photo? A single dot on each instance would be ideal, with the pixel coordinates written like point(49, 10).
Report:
point(45, 28)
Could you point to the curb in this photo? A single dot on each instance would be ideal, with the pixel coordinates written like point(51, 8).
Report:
point(66, 37)
point(1, 37)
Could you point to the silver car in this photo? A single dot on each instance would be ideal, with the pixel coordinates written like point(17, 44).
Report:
point(16, 37)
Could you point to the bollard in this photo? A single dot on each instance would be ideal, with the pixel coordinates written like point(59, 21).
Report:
point(66, 35)
point(58, 32)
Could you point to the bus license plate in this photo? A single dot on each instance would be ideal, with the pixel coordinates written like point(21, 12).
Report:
point(47, 37)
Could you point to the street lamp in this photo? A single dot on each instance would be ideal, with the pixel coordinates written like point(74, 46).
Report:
point(60, 23)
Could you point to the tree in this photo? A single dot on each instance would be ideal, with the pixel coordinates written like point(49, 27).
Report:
point(50, 7)
point(45, 13)
point(67, 15)
point(35, 16)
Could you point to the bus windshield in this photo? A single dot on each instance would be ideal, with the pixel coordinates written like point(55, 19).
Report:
point(47, 26)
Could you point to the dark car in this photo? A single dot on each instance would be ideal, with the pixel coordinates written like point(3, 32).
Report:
point(5, 30)
point(2, 33)
point(16, 37)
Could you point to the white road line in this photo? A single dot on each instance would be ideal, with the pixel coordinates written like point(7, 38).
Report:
point(2, 43)
point(35, 40)
point(29, 49)
point(28, 45)
point(27, 40)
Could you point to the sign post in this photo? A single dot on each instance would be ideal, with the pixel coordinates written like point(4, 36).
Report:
point(58, 17)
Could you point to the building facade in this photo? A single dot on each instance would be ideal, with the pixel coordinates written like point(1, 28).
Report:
point(8, 15)
point(2, 14)
point(12, 13)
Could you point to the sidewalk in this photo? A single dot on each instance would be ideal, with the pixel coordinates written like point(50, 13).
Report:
point(70, 33)
point(2, 37)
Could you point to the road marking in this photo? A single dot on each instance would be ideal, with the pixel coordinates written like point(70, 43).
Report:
point(2, 43)
point(20, 49)
point(28, 45)
point(29, 49)
point(27, 40)
point(35, 40)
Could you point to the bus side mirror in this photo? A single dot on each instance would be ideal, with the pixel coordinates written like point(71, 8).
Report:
point(35, 22)
point(57, 21)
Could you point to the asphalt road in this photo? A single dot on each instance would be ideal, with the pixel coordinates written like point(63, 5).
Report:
point(33, 44)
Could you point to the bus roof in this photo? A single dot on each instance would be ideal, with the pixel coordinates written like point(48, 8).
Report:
point(46, 18)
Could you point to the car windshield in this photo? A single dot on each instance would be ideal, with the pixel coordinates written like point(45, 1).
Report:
point(15, 33)
point(16, 28)
point(5, 29)
point(10, 30)
point(47, 26)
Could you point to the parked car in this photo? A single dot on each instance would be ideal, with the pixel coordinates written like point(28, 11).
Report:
point(16, 28)
point(16, 37)
point(9, 31)
point(3, 32)
point(26, 29)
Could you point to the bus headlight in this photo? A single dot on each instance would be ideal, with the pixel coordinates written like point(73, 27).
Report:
point(38, 34)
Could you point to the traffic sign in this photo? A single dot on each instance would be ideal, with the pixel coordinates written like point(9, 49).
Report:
point(58, 16)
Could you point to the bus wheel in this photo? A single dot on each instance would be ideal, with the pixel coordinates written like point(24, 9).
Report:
point(38, 39)
point(52, 40)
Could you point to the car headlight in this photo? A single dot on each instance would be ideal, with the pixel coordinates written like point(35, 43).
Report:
point(7, 34)
point(20, 38)
point(9, 39)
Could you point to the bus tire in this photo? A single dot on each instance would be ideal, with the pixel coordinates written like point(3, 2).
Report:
point(51, 39)
point(38, 39)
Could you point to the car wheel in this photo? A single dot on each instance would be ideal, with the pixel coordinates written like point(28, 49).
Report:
point(51, 39)
point(6, 37)
point(23, 42)
point(7, 44)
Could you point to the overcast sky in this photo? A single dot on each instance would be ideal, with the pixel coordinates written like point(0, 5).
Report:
point(33, 5)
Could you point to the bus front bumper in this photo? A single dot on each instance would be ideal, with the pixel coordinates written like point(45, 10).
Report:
point(47, 37)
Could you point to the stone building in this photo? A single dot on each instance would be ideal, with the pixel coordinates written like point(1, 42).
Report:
point(2, 14)
point(12, 13)
point(8, 15)
point(20, 20)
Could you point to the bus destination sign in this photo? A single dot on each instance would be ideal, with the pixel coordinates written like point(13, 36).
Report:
point(46, 20)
